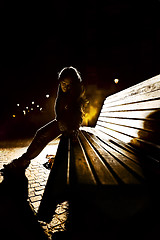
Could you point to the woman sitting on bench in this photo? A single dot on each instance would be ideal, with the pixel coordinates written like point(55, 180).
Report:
point(69, 110)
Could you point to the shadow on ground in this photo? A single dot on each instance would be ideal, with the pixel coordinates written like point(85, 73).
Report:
point(17, 220)
point(88, 218)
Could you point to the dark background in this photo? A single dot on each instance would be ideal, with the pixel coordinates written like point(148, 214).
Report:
point(102, 39)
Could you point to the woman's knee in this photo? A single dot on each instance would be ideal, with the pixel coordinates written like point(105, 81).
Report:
point(40, 133)
point(47, 132)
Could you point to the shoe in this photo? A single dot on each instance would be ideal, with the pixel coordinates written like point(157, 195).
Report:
point(17, 165)
point(50, 162)
point(47, 165)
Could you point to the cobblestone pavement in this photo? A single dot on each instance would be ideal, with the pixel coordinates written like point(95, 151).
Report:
point(37, 176)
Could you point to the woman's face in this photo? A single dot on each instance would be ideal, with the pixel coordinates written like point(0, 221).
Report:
point(65, 84)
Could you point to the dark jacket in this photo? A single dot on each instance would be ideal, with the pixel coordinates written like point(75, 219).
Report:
point(68, 109)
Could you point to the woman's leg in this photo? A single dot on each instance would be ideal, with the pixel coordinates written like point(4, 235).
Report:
point(42, 137)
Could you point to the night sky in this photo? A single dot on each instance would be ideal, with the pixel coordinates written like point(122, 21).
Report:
point(102, 39)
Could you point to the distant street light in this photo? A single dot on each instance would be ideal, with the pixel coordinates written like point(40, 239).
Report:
point(116, 80)
point(47, 95)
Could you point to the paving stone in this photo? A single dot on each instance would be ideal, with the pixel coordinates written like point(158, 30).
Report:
point(30, 178)
point(39, 188)
point(39, 193)
point(36, 205)
point(31, 194)
point(35, 198)
point(63, 225)
point(63, 217)
point(33, 185)
point(43, 183)
point(60, 209)
point(30, 182)
point(55, 221)
point(38, 180)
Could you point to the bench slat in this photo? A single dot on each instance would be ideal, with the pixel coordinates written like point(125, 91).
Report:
point(151, 85)
point(145, 114)
point(149, 96)
point(107, 137)
point(124, 145)
point(130, 131)
point(125, 170)
point(151, 152)
point(133, 123)
point(98, 167)
point(132, 165)
point(117, 135)
point(150, 148)
point(81, 170)
point(155, 104)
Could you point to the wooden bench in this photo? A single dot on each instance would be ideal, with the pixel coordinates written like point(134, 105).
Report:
point(111, 165)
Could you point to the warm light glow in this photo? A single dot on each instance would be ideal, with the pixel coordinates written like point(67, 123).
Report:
point(24, 112)
point(90, 115)
point(37, 106)
point(14, 116)
point(47, 95)
point(116, 80)
point(17, 104)
point(31, 109)
point(40, 109)
point(32, 102)
point(26, 107)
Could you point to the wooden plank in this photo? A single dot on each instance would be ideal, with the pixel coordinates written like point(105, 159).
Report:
point(106, 137)
point(117, 135)
point(144, 114)
point(151, 151)
point(124, 150)
point(149, 85)
point(121, 156)
point(148, 125)
point(132, 132)
point(81, 171)
point(103, 174)
point(124, 168)
point(155, 104)
point(149, 96)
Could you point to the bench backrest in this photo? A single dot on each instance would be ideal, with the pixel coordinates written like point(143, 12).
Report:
point(133, 116)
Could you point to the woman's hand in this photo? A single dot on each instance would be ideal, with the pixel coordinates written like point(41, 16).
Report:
point(62, 126)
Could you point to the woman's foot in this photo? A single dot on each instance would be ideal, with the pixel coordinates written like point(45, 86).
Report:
point(17, 165)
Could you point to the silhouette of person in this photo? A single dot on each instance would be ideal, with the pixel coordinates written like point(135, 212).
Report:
point(69, 110)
